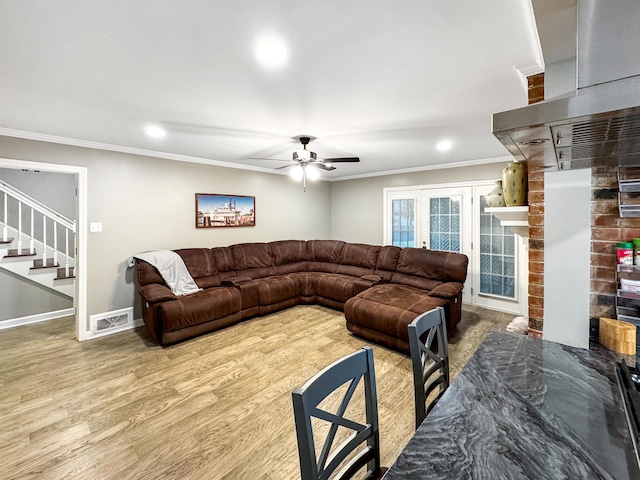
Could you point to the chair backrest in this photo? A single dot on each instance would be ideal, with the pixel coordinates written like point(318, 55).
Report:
point(430, 366)
point(363, 445)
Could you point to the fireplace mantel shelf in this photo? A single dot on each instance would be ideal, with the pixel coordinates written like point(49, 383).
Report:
point(517, 218)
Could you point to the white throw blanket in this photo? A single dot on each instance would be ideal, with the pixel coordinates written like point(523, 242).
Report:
point(173, 270)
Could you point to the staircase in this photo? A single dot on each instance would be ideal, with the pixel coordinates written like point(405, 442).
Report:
point(37, 243)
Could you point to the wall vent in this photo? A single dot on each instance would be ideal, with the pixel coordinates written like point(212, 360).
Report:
point(111, 322)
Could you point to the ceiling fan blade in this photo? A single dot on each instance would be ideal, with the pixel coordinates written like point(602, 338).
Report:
point(270, 159)
point(322, 166)
point(342, 160)
point(284, 166)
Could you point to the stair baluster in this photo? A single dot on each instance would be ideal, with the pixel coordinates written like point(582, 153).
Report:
point(5, 230)
point(44, 239)
point(32, 245)
point(55, 243)
point(66, 253)
point(19, 227)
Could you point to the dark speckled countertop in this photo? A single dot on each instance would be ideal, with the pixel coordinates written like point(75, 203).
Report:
point(525, 408)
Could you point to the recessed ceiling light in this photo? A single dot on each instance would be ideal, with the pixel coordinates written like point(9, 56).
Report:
point(272, 53)
point(444, 145)
point(155, 131)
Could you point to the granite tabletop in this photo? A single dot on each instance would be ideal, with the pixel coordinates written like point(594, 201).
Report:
point(525, 408)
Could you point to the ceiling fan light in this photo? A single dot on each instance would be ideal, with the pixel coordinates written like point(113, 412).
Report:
point(444, 145)
point(155, 131)
point(272, 53)
point(297, 173)
point(313, 173)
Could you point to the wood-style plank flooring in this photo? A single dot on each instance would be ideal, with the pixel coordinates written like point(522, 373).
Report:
point(215, 407)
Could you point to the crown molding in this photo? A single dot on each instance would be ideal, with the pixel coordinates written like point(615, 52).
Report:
point(439, 166)
point(43, 137)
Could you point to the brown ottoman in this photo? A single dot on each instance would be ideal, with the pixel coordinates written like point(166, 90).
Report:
point(383, 312)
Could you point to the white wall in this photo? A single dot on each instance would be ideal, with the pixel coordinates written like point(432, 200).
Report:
point(40, 299)
point(560, 78)
point(148, 203)
point(567, 237)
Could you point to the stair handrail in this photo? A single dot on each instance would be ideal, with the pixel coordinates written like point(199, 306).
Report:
point(38, 206)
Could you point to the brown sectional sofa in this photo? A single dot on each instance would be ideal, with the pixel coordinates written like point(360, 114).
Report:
point(381, 289)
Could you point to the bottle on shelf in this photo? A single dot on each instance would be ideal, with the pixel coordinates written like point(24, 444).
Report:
point(624, 253)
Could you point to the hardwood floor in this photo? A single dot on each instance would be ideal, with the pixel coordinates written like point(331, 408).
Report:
point(215, 407)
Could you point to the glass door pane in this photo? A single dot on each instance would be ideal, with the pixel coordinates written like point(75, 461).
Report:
point(444, 221)
point(403, 230)
point(497, 256)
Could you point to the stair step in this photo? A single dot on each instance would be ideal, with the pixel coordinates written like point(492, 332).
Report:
point(7, 241)
point(38, 264)
point(61, 274)
point(25, 252)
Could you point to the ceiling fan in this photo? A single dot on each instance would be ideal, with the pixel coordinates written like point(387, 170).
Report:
point(306, 163)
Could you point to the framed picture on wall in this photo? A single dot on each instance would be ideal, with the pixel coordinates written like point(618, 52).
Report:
point(214, 210)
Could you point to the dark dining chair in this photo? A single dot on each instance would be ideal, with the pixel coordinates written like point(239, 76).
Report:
point(362, 447)
point(430, 367)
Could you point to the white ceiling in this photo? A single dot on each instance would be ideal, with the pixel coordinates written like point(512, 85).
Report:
point(380, 79)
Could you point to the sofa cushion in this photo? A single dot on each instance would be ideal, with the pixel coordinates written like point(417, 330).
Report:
point(290, 256)
point(358, 259)
point(414, 281)
point(253, 260)
point(223, 259)
point(335, 287)
point(306, 281)
point(199, 307)
point(272, 290)
point(388, 309)
point(324, 255)
point(360, 255)
point(289, 251)
point(401, 296)
point(433, 264)
point(387, 261)
point(199, 261)
point(325, 250)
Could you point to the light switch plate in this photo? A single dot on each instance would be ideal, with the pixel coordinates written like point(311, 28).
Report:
point(95, 227)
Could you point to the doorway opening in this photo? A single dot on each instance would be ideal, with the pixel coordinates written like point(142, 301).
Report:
point(80, 173)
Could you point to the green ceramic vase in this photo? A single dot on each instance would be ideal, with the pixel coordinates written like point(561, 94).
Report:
point(514, 185)
point(494, 198)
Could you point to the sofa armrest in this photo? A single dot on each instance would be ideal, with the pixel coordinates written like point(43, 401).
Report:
point(446, 290)
point(155, 292)
point(229, 282)
point(364, 282)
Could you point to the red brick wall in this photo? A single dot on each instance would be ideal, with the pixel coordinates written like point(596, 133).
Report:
point(535, 90)
point(536, 225)
point(536, 250)
point(607, 228)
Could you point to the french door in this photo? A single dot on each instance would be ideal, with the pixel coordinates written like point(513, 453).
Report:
point(443, 223)
point(452, 218)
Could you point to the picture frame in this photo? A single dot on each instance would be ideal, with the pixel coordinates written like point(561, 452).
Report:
point(214, 210)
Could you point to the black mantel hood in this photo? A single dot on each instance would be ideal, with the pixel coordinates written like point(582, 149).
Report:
point(599, 123)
